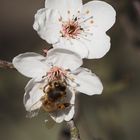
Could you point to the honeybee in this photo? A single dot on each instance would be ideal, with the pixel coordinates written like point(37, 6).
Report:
point(53, 99)
point(55, 93)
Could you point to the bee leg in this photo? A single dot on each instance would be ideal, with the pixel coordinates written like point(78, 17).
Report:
point(44, 88)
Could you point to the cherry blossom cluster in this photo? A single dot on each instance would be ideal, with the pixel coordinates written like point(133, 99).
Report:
point(75, 31)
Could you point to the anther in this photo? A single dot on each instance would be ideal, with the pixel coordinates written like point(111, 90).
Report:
point(75, 19)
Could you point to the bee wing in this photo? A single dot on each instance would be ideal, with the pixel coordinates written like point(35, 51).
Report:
point(33, 111)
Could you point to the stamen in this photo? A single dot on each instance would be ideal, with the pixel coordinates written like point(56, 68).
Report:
point(86, 19)
point(89, 33)
point(56, 73)
point(75, 19)
point(72, 28)
point(83, 36)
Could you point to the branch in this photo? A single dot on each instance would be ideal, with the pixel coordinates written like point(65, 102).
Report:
point(6, 64)
point(73, 130)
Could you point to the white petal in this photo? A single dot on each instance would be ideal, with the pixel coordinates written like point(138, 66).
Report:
point(32, 96)
point(31, 65)
point(77, 46)
point(104, 15)
point(70, 114)
point(98, 46)
point(64, 6)
point(88, 83)
point(64, 58)
point(47, 25)
point(70, 98)
point(58, 116)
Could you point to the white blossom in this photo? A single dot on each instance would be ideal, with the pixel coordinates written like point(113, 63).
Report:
point(81, 28)
point(58, 63)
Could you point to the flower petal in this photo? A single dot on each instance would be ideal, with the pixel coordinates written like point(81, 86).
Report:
point(47, 25)
point(66, 115)
point(70, 114)
point(75, 45)
point(64, 6)
point(32, 96)
point(31, 65)
point(104, 15)
point(58, 116)
point(64, 58)
point(70, 96)
point(99, 45)
point(88, 82)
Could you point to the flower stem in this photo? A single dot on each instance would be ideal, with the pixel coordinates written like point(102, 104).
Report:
point(73, 130)
point(6, 64)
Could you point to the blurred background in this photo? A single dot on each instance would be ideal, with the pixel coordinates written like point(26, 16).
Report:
point(115, 115)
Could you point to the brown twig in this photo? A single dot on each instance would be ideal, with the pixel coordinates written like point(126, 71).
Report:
point(73, 130)
point(6, 64)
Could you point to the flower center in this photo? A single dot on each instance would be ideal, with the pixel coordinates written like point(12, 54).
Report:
point(56, 73)
point(71, 29)
point(78, 26)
